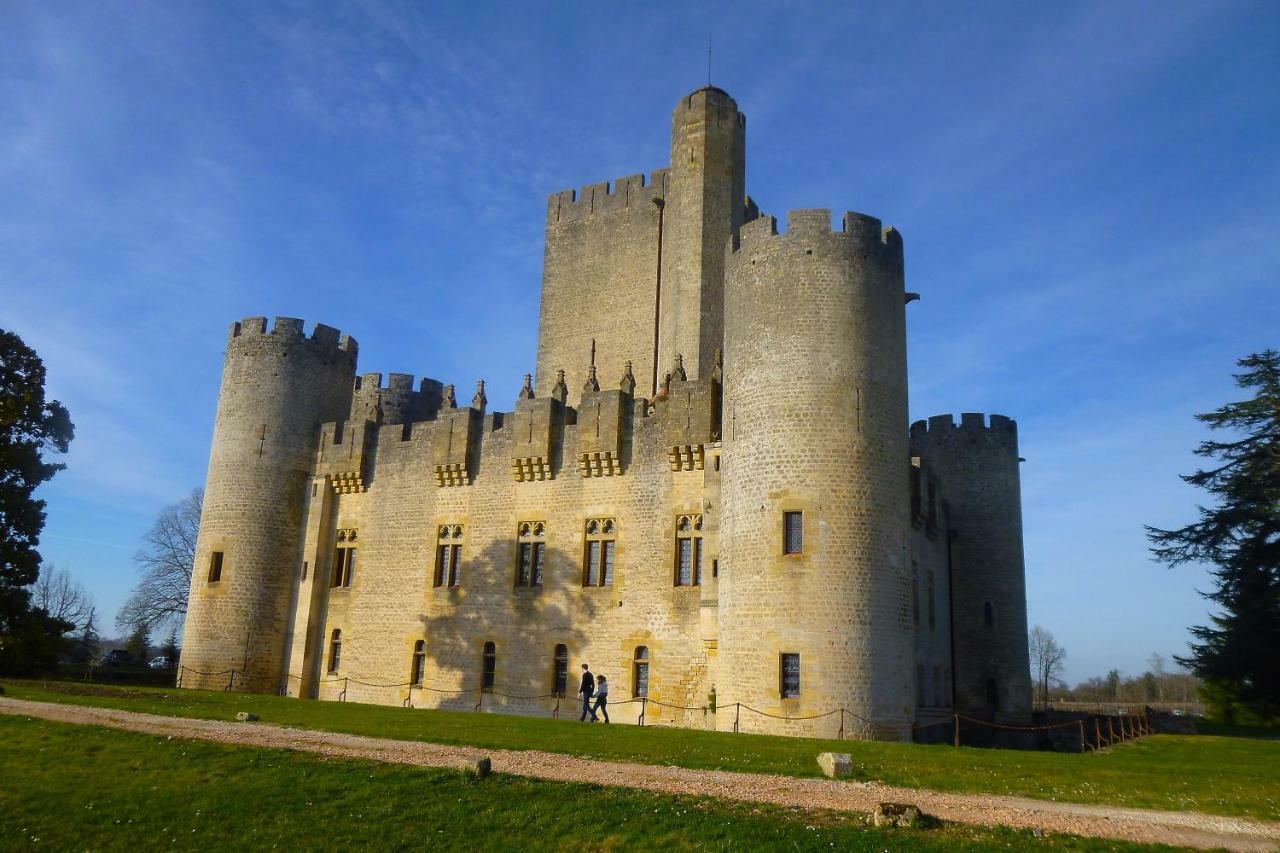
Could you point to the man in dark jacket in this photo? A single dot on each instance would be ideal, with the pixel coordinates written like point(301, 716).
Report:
point(588, 687)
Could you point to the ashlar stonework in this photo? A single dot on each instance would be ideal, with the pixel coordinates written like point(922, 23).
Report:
point(707, 490)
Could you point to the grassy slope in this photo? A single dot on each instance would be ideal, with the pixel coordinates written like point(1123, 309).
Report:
point(77, 787)
point(1208, 774)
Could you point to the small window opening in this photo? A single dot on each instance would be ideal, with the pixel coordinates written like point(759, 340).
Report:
point(344, 565)
point(418, 668)
point(560, 670)
point(789, 675)
point(448, 556)
point(304, 569)
point(490, 666)
point(215, 567)
point(335, 650)
point(792, 532)
point(688, 550)
point(640, 672)
point(601, 543)
point(531, 541)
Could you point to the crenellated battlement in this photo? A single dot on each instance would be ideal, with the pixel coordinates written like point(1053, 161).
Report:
point(291, 329)
point(973, 426)
point(396, 402)
point(858, 231)
point(707, 99)
point(604, 199)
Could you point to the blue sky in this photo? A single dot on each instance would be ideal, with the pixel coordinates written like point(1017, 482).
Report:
point(1087, 193)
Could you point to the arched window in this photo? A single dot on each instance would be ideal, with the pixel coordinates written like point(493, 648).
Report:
point(640, 672)
point(335, 650)
point(988, 616)
point(419, 666)
point(560, 678)
point(490, 664)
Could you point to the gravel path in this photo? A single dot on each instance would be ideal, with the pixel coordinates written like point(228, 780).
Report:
point(1182, 828)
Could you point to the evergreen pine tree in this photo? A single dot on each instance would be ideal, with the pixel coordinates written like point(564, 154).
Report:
point(1238, 655)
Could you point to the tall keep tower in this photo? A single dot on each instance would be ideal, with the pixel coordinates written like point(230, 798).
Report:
point(277, 387)
point(815, 413)
point(978, 466)
point(704, 208)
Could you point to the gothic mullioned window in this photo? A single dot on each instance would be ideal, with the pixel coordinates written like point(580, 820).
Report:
point(689, 550)
point(344, 559)
point(601, 537)
point(560, 670)
point(531, 543)
point(335, 650)
point(448, 556)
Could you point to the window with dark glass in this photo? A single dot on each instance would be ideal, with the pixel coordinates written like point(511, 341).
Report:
point(215, 567)
point(419, 666)
point(560, 678)
point(597, 569)
point(789, 675)
point(335, 650)
point(640, 672)
point(489, 665)
point(688, 550)
point(448, 556)
point(792, 532)
point(530, 544)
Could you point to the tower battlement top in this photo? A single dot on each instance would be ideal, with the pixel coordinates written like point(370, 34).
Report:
point(856, 229)
point(973, 426)
point(291, 329)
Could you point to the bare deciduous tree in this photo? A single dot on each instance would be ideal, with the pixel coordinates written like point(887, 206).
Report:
point(1046, 659)
point(60, 595)
point(165, 561)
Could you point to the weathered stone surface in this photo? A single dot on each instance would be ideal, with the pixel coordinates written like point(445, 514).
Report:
point(837, 765)
point(246, 717)
point(896, 814)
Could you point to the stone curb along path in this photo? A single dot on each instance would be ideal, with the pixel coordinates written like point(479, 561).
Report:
point(1142, 825)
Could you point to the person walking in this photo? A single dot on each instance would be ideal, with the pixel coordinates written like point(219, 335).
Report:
point(602, 698)
point(585, 690)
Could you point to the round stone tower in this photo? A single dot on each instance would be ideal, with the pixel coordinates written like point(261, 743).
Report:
point(702, 210)
point(977, 465)
point(815, 423)
point(278, 386)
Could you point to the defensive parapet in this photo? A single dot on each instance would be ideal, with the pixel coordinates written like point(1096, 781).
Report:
point(397, 402)
point(977, 464)
point(815, 443)
point(277, 386)
point(603, 199)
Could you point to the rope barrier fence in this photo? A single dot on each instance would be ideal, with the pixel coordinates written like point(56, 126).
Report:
point(1094, 731)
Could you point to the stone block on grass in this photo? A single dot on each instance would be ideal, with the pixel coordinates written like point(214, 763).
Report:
point(896, 814)
point(481, 767)
point(836, 765)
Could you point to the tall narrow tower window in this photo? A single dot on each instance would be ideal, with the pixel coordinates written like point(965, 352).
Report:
point(793, 532)
point(215, 567)
point(789, 675)
point(448, 556)
point(418, 668)
point(344, 559)
point(335, 650)
point(640, 672)
point(560, 670)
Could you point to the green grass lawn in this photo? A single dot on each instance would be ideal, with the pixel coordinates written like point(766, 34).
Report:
point(81, 787)
point(1217, 775)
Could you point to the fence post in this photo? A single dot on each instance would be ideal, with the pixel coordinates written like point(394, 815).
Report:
point(1082, 737)
point(737, 712)
point(555, 712)
point(1097, 735)
point(841, 723)
point(1111, 730)
point(644, 703)
point(957, 719)
point(231, 682)
point(180, 669)
point(479, 699)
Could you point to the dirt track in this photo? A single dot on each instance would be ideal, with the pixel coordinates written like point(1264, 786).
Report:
point(1181, 828)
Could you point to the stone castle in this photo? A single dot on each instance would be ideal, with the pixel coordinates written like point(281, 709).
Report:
point(707, 490)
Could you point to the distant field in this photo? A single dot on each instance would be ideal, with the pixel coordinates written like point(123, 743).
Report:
point(1216, 775)
point(80, 787)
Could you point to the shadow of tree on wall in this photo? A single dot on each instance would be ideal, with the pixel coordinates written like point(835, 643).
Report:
point(525, 624)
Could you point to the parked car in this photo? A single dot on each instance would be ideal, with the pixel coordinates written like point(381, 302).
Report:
point(161, 663)
point(116, 657)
